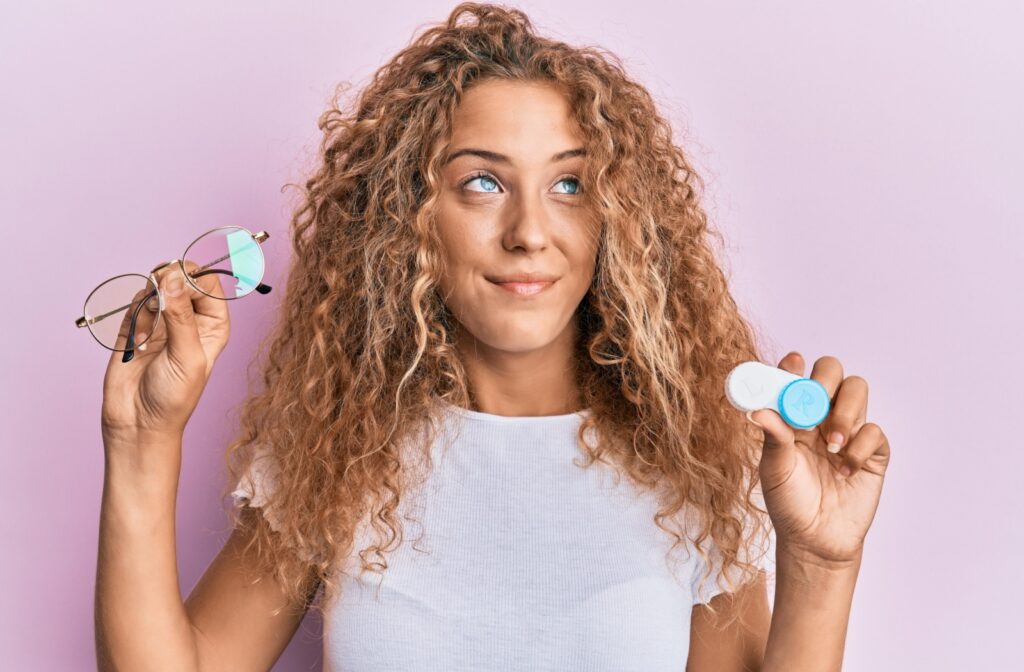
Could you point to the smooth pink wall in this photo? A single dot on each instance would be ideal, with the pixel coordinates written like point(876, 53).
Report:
point(863, 160)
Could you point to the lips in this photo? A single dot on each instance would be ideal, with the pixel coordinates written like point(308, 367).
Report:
point(524, 288)
point(524, 284)
point(522, 277)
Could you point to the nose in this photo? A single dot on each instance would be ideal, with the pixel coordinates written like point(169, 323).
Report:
point(528, 225)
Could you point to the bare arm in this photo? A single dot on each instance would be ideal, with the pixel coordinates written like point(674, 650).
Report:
point(806, 630)
point(812, 613)
point(141, 621)
point(741, 646)
point(234, 621)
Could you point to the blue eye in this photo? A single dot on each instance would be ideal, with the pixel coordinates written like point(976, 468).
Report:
point(576, 182)
point(483, 177)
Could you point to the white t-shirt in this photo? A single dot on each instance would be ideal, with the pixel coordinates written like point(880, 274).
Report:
point(518, 559)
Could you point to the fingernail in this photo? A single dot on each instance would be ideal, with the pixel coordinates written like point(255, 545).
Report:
point(753, 421)
point(139, 338)
point(174, 284)
point(835, 442)
point(845, 471)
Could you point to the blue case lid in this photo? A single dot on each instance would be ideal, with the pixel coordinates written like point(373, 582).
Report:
point(804, 403)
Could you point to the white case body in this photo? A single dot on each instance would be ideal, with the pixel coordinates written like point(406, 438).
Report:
point(752, 386)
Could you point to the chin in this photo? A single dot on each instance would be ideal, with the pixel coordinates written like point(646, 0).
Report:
point(516, 338)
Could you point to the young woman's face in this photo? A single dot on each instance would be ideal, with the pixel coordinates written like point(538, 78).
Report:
point(511, 203)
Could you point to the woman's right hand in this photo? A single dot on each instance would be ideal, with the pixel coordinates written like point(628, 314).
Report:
point(155, 393)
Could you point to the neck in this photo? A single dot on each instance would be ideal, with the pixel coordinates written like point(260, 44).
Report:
point(534, 382)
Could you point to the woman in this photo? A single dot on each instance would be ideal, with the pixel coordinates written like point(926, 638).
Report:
point(503, 248)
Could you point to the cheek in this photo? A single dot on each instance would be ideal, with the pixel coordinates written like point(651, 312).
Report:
point(584, 254)
point(451, 232)
point(461, 254)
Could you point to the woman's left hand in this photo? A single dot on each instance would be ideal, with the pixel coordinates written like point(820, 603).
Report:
point(815, 510)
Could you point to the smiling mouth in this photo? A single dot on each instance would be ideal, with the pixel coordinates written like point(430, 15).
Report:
point(524, 289)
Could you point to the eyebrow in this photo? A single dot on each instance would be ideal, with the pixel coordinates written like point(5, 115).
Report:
point(501, 158)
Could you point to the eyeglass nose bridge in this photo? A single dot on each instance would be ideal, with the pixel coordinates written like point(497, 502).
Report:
point(159, 294)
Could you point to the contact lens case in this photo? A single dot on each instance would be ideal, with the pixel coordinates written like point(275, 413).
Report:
point(802, 402)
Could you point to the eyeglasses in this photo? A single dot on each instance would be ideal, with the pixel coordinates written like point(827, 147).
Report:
point(232, 251)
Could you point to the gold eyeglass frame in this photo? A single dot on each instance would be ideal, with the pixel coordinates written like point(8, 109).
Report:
point(85, 320)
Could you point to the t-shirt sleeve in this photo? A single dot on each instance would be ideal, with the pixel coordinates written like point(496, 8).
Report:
point(714, 585)
point(256, 484)
point(254, 487)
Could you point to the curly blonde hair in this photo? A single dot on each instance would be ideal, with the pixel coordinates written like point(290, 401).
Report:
point(362, 351)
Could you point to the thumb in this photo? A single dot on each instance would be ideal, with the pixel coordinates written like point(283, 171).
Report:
point(180, 320)
point(779, 455)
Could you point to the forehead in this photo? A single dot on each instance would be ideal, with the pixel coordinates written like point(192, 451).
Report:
point(521, 119)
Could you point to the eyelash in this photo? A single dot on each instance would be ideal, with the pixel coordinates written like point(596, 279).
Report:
point(477, 175)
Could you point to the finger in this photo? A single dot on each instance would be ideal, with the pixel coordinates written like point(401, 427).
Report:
point(793, 362)
point(777, 431)
point(203, 287)
point(848, 413)
point(867, 442)
point(828, 371)
point(778, 456)
point(183, 346)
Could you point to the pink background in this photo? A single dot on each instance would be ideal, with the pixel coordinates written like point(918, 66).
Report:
point(864, 162)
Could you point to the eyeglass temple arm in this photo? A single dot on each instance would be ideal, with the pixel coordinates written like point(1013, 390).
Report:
point(261, 288)
point(83, 321)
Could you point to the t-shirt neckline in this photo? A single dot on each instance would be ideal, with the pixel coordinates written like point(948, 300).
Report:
point(491, 418)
